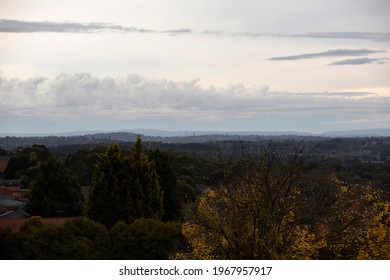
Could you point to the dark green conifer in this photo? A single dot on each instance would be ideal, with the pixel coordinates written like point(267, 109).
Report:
point(108, 192)
point(55, 192)
point(173, 201)
point(124, 187)
point(146, 192)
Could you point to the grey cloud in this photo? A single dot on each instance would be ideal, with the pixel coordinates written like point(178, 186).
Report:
point(135, 96)
point(177, 31)
point(377, 36)
point(374, 36)
point(247, 34)
point(18, 26)
point(329, 53)
point(362, 60)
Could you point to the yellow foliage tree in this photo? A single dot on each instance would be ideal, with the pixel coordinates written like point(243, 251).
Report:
point(359, 224)
point(278, 209)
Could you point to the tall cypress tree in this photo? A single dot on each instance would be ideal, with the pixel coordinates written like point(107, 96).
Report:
point(145, 190)
point(125, 187)
point(105, 204)
point(172, 201)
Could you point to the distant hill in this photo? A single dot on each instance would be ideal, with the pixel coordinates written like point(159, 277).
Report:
point(375, 132)
point(150, 135)
point(188, 133)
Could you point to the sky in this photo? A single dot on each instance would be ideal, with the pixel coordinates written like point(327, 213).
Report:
point(203, 65)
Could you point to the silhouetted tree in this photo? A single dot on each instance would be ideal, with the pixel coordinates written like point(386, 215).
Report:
point(55, 192)
point(173, 201)
point(146, 192)
point(109, 198)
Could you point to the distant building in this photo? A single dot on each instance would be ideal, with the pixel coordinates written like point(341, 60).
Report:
point(12, 196)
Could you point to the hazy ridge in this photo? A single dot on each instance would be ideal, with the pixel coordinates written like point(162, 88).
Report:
point(375, 132)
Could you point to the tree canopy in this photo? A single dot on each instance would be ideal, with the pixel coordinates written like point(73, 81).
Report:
point(55, 192)
point(125, 187)
point(278, 208)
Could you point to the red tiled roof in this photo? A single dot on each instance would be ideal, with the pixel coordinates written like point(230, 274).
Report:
point(15, 224)
point(10, 190)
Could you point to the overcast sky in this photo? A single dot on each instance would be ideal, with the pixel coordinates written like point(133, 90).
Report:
point(304, 65)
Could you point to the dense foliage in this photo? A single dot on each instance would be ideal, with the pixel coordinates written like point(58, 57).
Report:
point(54, 192)
point(80, 238)
point(125, 187)
point(286, 209)
point(282, 200)
point(24, 163)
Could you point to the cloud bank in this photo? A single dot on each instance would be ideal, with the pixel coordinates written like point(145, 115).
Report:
point(134, 96)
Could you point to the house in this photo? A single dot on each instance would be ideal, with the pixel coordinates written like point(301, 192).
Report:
point(14, 191)
point(12, 196)
point(10, 202)
point(18, 214)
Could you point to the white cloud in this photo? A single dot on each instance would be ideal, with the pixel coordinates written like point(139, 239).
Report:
point(134, 96)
